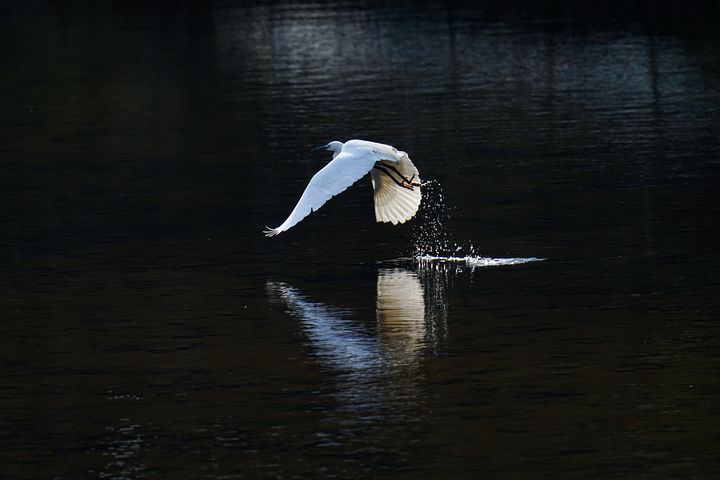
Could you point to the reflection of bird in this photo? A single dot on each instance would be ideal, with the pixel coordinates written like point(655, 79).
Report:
point(372, 366)
point(339, 338)
point(400, 313)
point(394, 177)
point(332, 330)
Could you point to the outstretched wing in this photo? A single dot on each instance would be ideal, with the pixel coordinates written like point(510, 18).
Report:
point(394, 201)
point(335, 177)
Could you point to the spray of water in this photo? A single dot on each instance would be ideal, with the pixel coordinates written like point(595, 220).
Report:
point(434, 243)
point(432, 228)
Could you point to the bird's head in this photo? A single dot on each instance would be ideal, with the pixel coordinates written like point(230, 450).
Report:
point(333, 146)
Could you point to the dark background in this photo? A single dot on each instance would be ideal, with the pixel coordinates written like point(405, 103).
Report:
point(149, 329)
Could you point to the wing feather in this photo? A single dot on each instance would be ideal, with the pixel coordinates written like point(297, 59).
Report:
point(394, 203)
point(335, 177)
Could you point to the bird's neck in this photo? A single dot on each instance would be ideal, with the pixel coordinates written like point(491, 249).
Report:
point(336, 148)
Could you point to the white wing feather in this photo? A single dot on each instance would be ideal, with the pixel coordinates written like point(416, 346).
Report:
point(335, 177)
point(394, 203)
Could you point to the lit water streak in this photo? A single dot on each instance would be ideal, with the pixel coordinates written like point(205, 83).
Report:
point(474, 261)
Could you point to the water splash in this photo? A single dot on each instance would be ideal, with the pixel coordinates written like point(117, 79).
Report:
point(475, 261)
point(436, 247)
point(432, 228)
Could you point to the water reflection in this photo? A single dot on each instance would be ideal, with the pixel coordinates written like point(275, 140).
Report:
point(133, 133)
point(373, 364)
point(400, 314)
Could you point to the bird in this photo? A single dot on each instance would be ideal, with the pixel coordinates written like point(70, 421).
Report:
point(395, 180)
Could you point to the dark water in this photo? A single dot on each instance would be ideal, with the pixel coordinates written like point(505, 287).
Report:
point(150, 330)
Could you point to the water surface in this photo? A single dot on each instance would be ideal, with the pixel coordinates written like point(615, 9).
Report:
point(150, 330)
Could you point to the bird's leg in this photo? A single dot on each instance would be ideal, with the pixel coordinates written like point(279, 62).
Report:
point(409, 181)
point(404, 183)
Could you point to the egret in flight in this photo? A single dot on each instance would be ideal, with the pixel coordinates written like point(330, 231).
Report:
point(395, 180)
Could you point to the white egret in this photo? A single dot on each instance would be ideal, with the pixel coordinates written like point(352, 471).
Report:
point(396, 182)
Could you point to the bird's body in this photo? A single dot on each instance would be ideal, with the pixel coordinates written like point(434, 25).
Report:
point(395, 180)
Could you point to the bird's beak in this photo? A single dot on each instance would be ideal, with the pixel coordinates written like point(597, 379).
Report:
point(321, 147)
